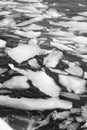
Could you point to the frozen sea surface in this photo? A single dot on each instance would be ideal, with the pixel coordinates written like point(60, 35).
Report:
point(43, 64)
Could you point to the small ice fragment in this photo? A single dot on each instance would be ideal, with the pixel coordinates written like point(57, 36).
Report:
point(53, 59)
point(35, 27)
point(57, 71)
point(28, 34)
point(81, 5)
point(33, 63)
point(2, 43)
point(53, 13)
point(63, 125)
point(79, 119)
point(60, 115)
point(85, 74)
point(16, 82)
point(84, 112)
point(62, 46)
point(75, 70)
point(11, 66)
point(33, 41)
point(75, 110)
point(9, 22)
point(70, 95)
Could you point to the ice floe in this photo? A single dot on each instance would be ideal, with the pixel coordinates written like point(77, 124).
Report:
point(53, 59)
point(24, 52)
point(41, 80)
point(74, 70)
point(2, 43)
point(16, 82)
point(72, 83)
point(35, 104)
